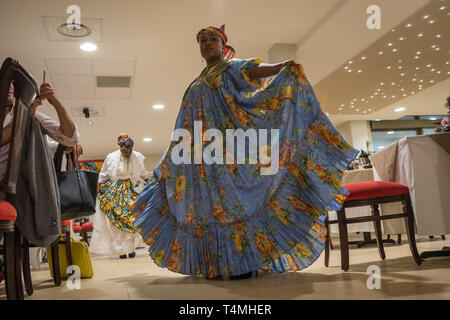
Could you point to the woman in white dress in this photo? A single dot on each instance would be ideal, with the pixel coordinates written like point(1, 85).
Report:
point(121, 180)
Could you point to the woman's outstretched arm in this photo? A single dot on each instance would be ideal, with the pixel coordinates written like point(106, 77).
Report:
point(264, 70)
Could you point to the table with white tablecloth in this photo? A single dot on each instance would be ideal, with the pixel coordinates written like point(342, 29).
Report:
point(423, 164)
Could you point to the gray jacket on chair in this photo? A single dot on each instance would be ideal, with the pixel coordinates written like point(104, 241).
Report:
point(37, 201)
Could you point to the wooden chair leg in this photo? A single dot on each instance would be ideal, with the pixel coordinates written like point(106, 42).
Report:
point(327, 243)
point(343, 238)
point(443, 236)
point(378, 234)
point(55, 264)
point(10, 280)
point(409, 221)
point(18, 264)
point(26, 266)
point(68, 249)
point(399, 238)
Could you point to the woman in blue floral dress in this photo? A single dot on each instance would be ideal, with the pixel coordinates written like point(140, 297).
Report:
point(230, 219)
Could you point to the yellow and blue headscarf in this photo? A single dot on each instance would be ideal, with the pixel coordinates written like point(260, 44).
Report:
point(124, 141)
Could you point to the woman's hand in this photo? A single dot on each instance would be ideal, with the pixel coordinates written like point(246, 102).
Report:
point(287, 63)
point(47, 92)
point(36, 103)
point(77, 150)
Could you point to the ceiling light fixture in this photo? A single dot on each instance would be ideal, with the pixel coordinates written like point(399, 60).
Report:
point(400, 109)
point(147, 139)
point(409, 25)
point(158, 106)
point(420, 35)
point(88, 46)
point(390, 132)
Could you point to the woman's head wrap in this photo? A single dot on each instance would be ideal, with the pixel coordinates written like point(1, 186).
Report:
point(228, 51)
point(124, 141)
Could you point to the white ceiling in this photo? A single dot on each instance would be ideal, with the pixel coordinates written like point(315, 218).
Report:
point(158, 36)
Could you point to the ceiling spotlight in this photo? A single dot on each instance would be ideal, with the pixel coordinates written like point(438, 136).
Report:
point(350, 62)
point(433, 69)
point(426, 17)
point(382, 83)
point(349, 70)
point(404, 94)
point(88, 46)
point(438, 36)
point(433, 46)
point(441, 8)
point(359, 71)
point(393, 84)
point(400, 109)
point(418, 52)
point(357, 109)
point(414, 80)
point(363, 58)
point(363, 100)
point(346, 68)
point(399, 67)
point(416, 57)
point(340, 109)
point(384, 97)
point(390, 44)
point(390, 132)
point(431, 21)
point(342, 105)
point(351, 107)
point(402, 89)
point(448, 62)
point(420, 35)
point(402, 74)
point(438, 72)
point(147, 139)
point(431, 81)
point(158, 106)
point(381, 52)
point(90, 123)
point(437, 49)
point(408, 25)
point(401, 39)
point(428, 65)
point(370, 110)
point(394, 50)
point(417, 68)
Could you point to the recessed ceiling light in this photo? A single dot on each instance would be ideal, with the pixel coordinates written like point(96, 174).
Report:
point(438, 71)
point(363, 100)
point(421, 81)
point(88, 46)
point(364, 111)
point(448, 62)
point(388, 67)
point(416, 57)
point(438, 36)
point(393, 84)
point(390, 132)
point(390, 44)
point(428, 65)
point(412, 92)
point(414, 80)
point(400, 109)
point(158, 106)
point(433, 46)
point(359, 71)
point(441, 8)
point(394, 50)
point(426, 17)
point(384, 97)
point(402, 74)
point(342, 105)
point(351, 107)
point(431, 21)
point(381, 52)
point(350, 62)
point(354, 100)
point(404, 94)
point(417, 68)
point(437, 49)
point(433, 69)
point(90, 122)
point(401, 39)
point(349, 70)
point(382, 83)
point(420, 35)
point(399, 67)
point(376, 93)
point(418, 52)
point(380, 147)
point(393, 97)
point(431, 81)
point(408, 25)
point(147, 139)
point(345, 67)
point(402, 89)
point(357, 109)
point(370, 110)
point(363, 58)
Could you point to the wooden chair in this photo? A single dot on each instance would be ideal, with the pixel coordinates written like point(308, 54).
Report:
point(86, 228)
point(25, 89)
point(373, 193)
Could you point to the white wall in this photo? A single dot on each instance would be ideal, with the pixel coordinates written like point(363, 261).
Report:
point(151, 161)
point(356, 133)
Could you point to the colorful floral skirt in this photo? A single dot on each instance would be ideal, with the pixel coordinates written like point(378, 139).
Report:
point(116, 200)
point(228, 219)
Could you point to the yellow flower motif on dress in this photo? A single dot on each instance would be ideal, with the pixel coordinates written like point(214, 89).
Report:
point(211, 272)
point(302, 250)
point(187, 122)
point(149, 241)
point(273, 103)
point(190, 218)
point(181, 183)
point(163, 210)
point(239, 228)
point(222, 192)
point(219, 212)
point(198, 232)
point(287, 92)
point(299, 204)
point(296, 172)
point(165, 170)
point(240, 114)
point(201, 170)
point(263, 244)
point(175, 247)
point(237, 242)
point(278, 211)
point(178, 196)
point(173, 264)
point(328, 136)
point(159, 256)
point(284, 154)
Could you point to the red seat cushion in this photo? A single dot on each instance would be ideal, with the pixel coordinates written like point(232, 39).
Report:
point(76, 227)
point(87, 226)
point(374, 189)
point(65, 223)
point(7, 211)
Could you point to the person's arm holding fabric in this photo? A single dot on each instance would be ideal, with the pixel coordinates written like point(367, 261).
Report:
point(264, 70)
point(65, 132)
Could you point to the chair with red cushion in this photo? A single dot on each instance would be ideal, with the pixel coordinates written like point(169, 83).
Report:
point(8, 217)
point(85, 228)
point(25, 90)
point(373, 193)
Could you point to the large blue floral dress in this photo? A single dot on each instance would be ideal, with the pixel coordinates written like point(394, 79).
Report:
point(229, 219)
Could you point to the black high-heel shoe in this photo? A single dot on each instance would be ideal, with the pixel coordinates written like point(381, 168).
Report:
point(132, 255)
point(124, 256)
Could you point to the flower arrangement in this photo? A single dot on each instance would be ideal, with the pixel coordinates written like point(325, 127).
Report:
point(445, 123)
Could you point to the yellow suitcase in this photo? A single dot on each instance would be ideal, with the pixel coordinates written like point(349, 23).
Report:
point(80, 258)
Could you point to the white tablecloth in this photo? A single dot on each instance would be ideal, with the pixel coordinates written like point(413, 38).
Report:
point(424, 166)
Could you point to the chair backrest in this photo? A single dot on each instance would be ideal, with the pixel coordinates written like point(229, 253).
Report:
point(25, 90)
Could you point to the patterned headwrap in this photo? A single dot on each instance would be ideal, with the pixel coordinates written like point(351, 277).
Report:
point(228, 51)
point(124, 141)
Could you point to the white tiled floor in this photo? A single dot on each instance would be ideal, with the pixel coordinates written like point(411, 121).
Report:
point(140, 278)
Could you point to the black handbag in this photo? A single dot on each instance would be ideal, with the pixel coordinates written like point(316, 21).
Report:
point(77, 189)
